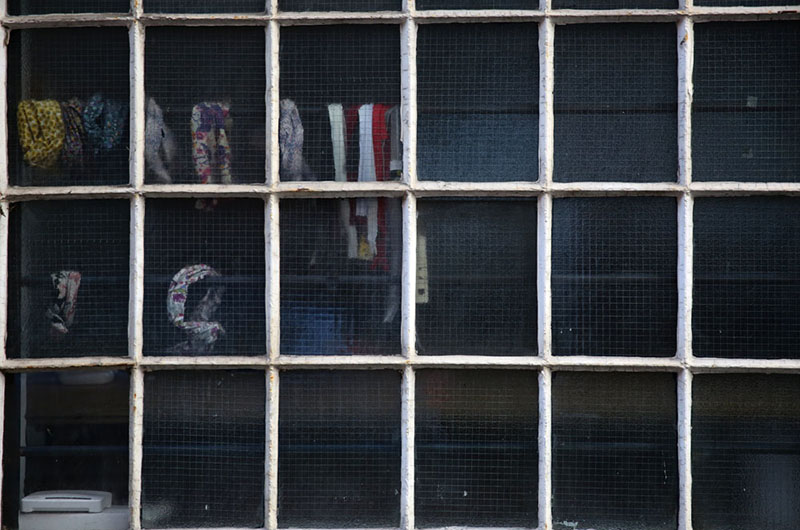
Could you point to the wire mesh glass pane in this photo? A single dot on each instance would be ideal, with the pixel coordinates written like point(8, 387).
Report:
point(476, 277)
point(616, 100)
point(204, 277)
point(478, 102)
point(217, 6)
point(478, 4)
point(68, 106)
point(746, 277)
point(339, 439)
point(339, 5)
point(37, 7)
point(747, 3)
point(340, 276)
point(746, 108)
point(614, 277)
point(68, 278)
point(340, 95)
point(615, 4)
point(615, 459)
point(65, 431)
point(205, 111)
point(204, 439)
point(746, 452)
point(476, 448)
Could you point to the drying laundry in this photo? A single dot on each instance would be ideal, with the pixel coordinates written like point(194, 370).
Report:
point(105, 122)
point(41, 132)
point(211, 150)
point(291, 137)
point(202, 330)
point(61, 312)
point(159, 143)
point(72, 155)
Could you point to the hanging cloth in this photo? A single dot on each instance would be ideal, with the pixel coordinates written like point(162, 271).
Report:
point(75, 134)
point(211, 151)
point(159, 143)
point(203, 332)
point(338, 134)
point(290, 139)
point(41, 132)
point(366, 173)
point(105, 122)
point(61, 312)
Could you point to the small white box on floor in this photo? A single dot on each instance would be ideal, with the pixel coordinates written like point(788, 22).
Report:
point(72, 510)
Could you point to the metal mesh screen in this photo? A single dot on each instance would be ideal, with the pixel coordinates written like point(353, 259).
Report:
point(204, 278)
point(615, 4)
point(746, 271)
point(68, 281)
point(746, 109)
point(476, 277)
point(476, 448)
point(80, 73)
point(204, 439)
point(340, 291)
point(615, 462)
point(477, 4)
point(205, 111)
point(36, 7)
point(615, 102)
point(339, 5)
point(217, 6)
point(65, 430)
point(614, 276)
point(355, 69)
point(747, 3)
point(745, 452)
point(339, 438)
point(478, 97)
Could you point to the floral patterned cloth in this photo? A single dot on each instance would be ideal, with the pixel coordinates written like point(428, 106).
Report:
point(41, 132)
point(291, 136)
point(159, 143)
point(211, 150)
point(203, 332)
point(75, 133)
point(61, 312)
point(105, 121)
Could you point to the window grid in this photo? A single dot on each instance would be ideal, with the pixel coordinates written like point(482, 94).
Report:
point(684, 364)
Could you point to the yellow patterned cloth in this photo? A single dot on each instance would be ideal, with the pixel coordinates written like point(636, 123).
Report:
point(41, 131)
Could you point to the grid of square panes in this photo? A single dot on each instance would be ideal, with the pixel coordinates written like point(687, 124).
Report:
point(614, 440)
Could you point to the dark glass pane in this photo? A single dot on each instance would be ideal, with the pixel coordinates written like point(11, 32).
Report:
point(615, 4)
point(614, 278)
point(476, 277)
point(68, 106)
point(339, 5)
point(615, 457)
point(205, 110)
point(615, 97)
point(204, 277)
point(747, 3)
point(340, 289)
point(65, 431)
point(476, 448)
point(68, 278)
point(217, 6)
point(339, 439)
point(204, 439)
point(336, 83)
point(37, 7)
point(746, 108)
point(746, 277)
point(478, 4)
point(746, 452)
point(478, 97)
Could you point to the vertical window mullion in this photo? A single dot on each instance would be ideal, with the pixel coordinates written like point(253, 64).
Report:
point(685, 450)
point(407, 476)
point(271, 460)
point(273, 101)
point(408, 98)
point(545, 449)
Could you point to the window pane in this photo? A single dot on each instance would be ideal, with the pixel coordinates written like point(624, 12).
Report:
point(476, 277)
point(746, 452)
point(338, 83)
point(66, 431)
point(68, 102)
point(615, 461)
point(36, 7)
point(340, 287)
point(203, 461)
point(746, 277)
point(205, 110)
point(68, 278)
point(748, 3)
point(615, 4)
point(204, 277)
point(217, 6)
point(746, 109)
point(615, 97)
point(339, 5)
point(339, 439)
point(478, 4)
point(614, 278)
point(478, 96)
point(476, 448)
